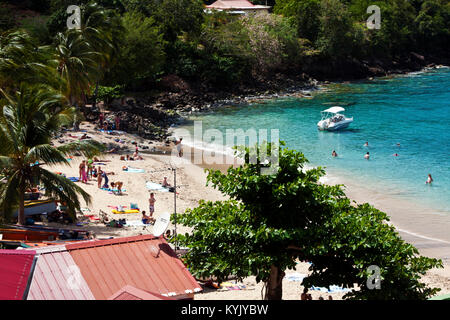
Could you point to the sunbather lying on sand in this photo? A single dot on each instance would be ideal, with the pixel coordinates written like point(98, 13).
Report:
point(97, 160)
point(113, 150)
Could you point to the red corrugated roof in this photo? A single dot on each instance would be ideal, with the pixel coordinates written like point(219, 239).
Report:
point(144, 262)
point(15, 269)
point(132, 293)
point(57, 277)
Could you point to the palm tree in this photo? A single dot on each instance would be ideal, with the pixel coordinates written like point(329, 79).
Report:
point(28, 120)
point(22, 60)
point(76, 63)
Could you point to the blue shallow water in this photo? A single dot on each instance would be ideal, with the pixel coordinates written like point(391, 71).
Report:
point(413, 110)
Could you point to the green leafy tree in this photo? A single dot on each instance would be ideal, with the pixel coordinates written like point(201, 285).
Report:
point(335, 36)
point(272, 221)
point(141, 55)
point(305, 15)
point(28, 120)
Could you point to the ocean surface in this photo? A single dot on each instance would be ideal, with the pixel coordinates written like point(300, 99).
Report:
point(412, 110)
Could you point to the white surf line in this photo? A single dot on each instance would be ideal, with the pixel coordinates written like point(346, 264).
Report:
point(421, 236)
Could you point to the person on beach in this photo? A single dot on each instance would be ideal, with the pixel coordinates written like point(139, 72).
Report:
point(83, 171)
point(101, 117)
point(151, 202)
point(147, 219)
point(117, 185)
point(99, 177)
point(117, 121)
point(136, 155)
point(178, 145)
point(429, 180)
point(90, 166)
point(366, 144)
point(167, 185)
point(305, 295)
point(367, 156)
point(80, 175)
point(334, 154)
point(105, 177)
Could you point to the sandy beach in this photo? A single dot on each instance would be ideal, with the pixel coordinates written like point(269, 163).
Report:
point(191, 187)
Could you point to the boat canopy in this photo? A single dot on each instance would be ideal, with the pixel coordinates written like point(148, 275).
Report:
point(334, 109)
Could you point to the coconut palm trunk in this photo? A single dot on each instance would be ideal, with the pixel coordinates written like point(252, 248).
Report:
point(21, 213)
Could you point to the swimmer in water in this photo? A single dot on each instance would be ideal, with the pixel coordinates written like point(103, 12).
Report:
point(366, 144)
point(395, 154)
point(367, 156)
point(429, 180)
point(334, 154)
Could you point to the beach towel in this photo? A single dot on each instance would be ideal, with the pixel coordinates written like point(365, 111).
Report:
point(156, 186)
point(116, 207)
point(136, 170)
point(332, 289)
point(125, 211)
point(73, 179)
point(113, 190)
point(136, 223)
point(295, 277)
point(99, 164)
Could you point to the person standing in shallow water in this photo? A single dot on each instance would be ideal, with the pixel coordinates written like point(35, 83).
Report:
point(367, 156)
point(429, 180)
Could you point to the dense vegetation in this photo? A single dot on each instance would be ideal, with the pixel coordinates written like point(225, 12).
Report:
point(272, 221)
point(325, 38)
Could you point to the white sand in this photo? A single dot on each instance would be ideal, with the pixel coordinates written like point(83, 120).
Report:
point(191, 180)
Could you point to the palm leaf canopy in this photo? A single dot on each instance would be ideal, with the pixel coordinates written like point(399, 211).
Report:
point(28, 120)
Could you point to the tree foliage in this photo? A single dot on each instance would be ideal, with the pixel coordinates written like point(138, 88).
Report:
point(28, 120)
point(273, 221)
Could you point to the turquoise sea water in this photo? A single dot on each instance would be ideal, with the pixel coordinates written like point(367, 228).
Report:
point(413, 110)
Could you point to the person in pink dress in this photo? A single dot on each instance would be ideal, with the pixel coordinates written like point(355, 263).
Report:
point(83, 172)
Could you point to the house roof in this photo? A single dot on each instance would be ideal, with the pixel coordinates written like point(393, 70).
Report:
point(57, 277)
point(144, 262)
point(16, 266)
point(132, 293)
point(235, 4)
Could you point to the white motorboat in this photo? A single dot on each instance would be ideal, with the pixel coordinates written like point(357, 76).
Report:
point(332, 120)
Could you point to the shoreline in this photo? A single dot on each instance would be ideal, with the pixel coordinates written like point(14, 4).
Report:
point(425, 226)
point(191, 180)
